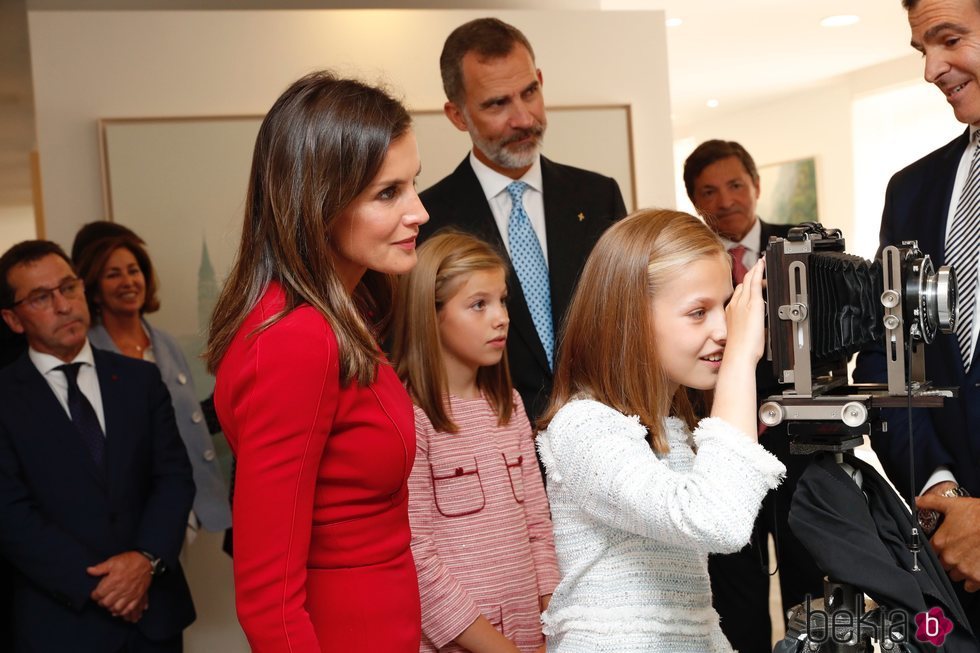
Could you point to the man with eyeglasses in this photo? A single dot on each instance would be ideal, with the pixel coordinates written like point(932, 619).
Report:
point(95, 483)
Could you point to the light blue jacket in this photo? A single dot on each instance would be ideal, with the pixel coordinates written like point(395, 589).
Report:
point(211, 499)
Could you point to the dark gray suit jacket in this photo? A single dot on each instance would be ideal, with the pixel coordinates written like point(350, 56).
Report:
point(579, 206)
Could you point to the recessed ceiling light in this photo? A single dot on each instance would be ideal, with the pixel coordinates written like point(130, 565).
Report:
point(674, 22)
point(843, 20)
point(712, 103)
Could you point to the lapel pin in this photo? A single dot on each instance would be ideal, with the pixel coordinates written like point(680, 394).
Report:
point(581, 216)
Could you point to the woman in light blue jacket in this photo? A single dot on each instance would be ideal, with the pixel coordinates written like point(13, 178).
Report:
point(120, 286)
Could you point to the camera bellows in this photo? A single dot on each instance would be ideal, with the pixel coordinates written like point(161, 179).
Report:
point(844, 307)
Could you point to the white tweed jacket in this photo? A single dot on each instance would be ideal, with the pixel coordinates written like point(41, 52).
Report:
point(633, 529)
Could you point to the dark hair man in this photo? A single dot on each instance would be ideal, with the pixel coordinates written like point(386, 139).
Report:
point(934, 201)
point(95, 483)
point(723, 183)
point(544, 215)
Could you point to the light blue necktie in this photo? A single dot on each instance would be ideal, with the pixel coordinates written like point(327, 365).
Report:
point(532, 271)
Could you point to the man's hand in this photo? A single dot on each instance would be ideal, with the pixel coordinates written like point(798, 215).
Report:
point(134, 616)
point(125, 580)
point(957, 541)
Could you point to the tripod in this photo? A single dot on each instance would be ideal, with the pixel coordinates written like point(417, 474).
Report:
point(843, 620)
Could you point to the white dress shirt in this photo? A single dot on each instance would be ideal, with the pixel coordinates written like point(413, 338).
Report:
point(88, 380)
point(494, 187)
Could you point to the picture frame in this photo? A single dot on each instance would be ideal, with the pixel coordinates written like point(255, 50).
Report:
point(180, 183)
point(788, 192)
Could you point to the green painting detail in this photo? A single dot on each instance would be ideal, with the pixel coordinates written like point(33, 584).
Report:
point(788, 192)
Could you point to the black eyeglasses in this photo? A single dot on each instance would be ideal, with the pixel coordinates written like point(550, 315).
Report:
point(43, 298)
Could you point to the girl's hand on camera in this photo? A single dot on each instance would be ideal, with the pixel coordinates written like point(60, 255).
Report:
point(745, 314)
point(735, 399)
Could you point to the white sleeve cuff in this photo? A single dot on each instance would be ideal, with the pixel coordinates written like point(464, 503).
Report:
point(941, 475)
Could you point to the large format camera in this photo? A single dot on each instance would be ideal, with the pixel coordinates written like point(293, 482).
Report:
point(825, 305)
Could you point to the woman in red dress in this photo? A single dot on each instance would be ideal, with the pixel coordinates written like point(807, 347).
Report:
point(322, 429)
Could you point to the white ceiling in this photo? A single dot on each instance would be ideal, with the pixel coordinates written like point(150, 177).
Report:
point(745, 52)
point(741, 52)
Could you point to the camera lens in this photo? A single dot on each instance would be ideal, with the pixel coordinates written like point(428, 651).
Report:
point(943, 286)
point(931, 296)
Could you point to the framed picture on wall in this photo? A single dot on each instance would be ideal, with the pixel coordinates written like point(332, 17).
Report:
point(180, 182)
point(788, 192)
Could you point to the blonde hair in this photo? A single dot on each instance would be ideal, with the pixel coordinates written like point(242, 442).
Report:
point(608, 350)
point(444, 262)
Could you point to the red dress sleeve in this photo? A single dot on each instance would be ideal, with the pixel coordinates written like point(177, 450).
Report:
point(280, 388)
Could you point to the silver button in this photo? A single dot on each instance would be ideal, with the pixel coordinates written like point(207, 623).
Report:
point(209, 455)
point(182, 379)
point(197, 417)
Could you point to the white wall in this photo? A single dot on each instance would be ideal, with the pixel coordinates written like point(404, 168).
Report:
point(812, 124)
point(153, 63)
point(108, 64)
point(892, 128)
point(16, 224)
point(820, 123)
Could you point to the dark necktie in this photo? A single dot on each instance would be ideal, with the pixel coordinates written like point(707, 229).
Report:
point(961, 252)
point(738, 265)
point(83, 415)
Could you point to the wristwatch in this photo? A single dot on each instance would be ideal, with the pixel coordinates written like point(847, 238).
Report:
point(930, 520)
point(157, 565)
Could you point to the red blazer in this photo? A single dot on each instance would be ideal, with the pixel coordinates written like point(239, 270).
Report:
point(322, 558)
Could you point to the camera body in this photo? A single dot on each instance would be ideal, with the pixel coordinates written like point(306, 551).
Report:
point(824, 306)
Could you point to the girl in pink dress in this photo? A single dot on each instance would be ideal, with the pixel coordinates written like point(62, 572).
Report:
point(481, 531)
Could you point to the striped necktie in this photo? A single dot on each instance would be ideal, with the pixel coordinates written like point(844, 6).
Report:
point(531, 269)
point(962, 243)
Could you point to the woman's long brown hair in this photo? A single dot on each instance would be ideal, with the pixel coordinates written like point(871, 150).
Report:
point(319, 146)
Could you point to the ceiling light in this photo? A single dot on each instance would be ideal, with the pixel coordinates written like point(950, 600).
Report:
point(674, 22)
point(712, 103)
point(843, 20)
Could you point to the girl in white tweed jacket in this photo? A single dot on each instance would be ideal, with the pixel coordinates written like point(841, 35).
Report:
point(638, 501)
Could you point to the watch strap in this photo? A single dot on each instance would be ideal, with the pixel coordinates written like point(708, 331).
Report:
point(156, 564)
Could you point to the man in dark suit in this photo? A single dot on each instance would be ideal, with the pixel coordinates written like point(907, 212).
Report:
point(934, 201)
point(723, 183)
point(494, 93)
point(12, 345)
point(95, 484)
